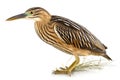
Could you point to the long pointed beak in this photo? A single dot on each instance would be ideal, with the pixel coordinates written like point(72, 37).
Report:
point(19, 16)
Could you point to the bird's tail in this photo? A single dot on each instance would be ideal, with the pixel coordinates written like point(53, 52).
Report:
point(107, 57)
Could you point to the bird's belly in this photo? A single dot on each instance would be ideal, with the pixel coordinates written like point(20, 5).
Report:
point(70, 49)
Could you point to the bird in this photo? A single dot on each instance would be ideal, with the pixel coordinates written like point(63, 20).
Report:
point(65, 35)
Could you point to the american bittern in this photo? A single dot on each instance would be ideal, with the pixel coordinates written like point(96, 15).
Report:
point(65, 35)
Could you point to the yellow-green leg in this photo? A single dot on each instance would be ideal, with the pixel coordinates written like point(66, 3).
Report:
point(69, 69)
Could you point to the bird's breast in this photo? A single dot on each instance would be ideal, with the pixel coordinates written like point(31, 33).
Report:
point(46, 33)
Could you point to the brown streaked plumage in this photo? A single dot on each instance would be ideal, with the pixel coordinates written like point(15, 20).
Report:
point(65, 35)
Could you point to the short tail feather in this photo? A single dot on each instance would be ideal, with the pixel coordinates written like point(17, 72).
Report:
point(107, 57)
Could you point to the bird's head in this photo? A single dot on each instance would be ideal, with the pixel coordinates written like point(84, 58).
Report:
point(35, 13)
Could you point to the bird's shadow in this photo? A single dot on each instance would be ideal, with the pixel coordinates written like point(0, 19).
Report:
point(91, 65)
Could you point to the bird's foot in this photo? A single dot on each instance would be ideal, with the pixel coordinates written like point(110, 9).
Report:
point(62, 70)
point(67, 70)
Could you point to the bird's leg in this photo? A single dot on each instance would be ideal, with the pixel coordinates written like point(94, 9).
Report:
point(69, 69)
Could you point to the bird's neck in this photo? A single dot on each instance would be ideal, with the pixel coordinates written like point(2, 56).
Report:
point(41, 24)
point(44, 19)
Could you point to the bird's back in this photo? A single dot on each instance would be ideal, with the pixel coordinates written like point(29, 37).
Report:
point(70, 31)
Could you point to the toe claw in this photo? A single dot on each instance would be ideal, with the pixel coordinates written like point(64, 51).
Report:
point(64, 68)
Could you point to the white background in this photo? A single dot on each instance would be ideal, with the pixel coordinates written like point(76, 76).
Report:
point(23, 56)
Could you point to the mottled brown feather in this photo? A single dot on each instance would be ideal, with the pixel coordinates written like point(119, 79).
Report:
point(77, 35)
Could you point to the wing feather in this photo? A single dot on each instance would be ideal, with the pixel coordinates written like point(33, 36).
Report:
point(77, 35)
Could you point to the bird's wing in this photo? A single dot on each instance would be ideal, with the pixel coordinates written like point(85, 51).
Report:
point(77, 35)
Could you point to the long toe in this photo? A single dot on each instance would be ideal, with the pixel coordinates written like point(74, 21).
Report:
point(63, 71)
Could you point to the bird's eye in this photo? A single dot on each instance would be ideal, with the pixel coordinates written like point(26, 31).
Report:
point(31, 12)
